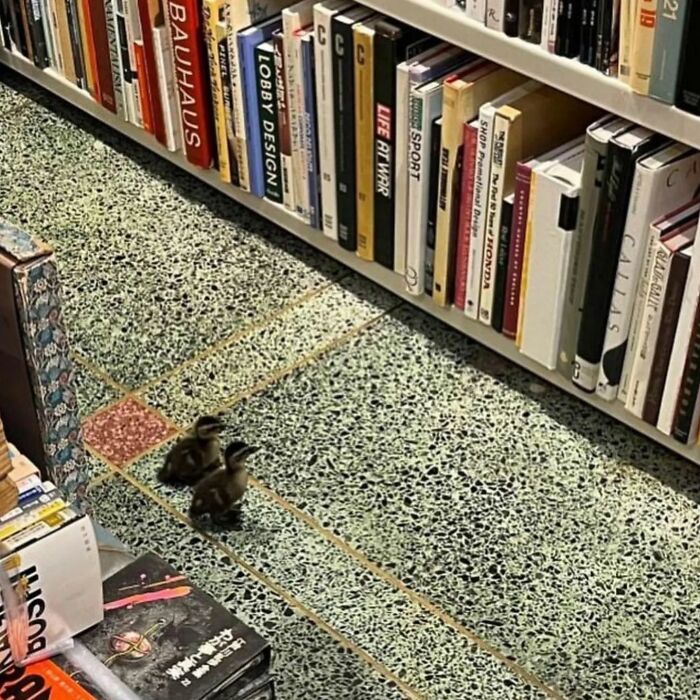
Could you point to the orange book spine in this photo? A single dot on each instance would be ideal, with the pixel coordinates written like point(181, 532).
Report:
point(147, 113)
point(91, 54)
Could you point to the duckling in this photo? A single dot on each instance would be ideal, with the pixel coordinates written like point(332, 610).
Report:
point(220, 493)
point(195, 454)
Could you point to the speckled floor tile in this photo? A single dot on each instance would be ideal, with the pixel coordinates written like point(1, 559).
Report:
point(95, 466)
point(113, 211)
point(93, 392)
point(510, 505)
point(422, 650)
point(309, 664)
point(124, 431)
point(206, 384)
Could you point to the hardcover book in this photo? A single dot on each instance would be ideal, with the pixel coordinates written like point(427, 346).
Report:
point(310, 135)
point(284, 133)
point(668, 47)
point(150, 15)
point(104, 47)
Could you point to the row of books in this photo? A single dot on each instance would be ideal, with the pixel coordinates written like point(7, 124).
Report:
point(647, 44)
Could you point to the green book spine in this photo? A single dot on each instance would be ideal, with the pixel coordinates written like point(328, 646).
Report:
point(668, 45)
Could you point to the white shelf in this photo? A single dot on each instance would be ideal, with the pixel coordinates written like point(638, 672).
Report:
point(386, 278)
point(567, 75)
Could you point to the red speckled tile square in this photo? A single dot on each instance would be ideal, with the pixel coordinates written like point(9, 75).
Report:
point(125, 431)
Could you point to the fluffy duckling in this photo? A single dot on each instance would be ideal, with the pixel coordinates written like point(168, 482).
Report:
point(220, 493)
point(195, 454)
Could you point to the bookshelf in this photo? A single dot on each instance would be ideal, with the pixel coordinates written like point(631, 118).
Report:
point(388, 279)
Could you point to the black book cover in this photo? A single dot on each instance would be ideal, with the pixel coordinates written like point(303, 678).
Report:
point(568, 39)
point(227, 95)
point(393, 44)
point(344, 101)
point(499, 292)
point(690, 385)
point(511, 20)
point(267, 115)
point(164, 638)
point(75, 45)
point(435, 142)
point(689, 78)
point(589, 31)
point(677, 277)
point(530, 20)
point(607, 37)
point(607, 241)
point(36, 30)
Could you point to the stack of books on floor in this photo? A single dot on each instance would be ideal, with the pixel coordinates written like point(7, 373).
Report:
point(161, 637)
point(649, 46)
point(569, 231)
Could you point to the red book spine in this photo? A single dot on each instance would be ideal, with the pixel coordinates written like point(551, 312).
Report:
point(192, 75)
point(151, 69)
point(521, 204)
point(97, 26)
point(146, 113)
point(465, 214)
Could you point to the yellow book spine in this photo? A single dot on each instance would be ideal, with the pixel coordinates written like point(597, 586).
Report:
point(214, 11)
point(526, 259)
point(64, 42)
point(642, 53)
point(85, 48)
point(364, 134)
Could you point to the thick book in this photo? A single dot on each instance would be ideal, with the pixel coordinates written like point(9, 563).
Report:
point(429, 273)
point(671, 309)
point(642, 49)
point(311, 130)
point(530, 19)
point(165, 638)
point(687, 418)
point(668, 236)
point(568, 31)
point(283, 126)
point(625, 150)
point(248, 40)
point(668, 46)
point(688, 97)
point(267, 107)
point(192, 75)
point(323, 17)
point(344, 122)
point(151, 15)
point(554, 209)
point(394, 43)
point(502, 263)
point(662, 182)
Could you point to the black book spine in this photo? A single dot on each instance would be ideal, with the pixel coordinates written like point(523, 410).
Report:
point(530, 20)
point(562, 27)
point(386, 50)
point(499, 298)
point(76, 47)
point(123, 47)
point(267, 115)
point(690, 385)
point(589, 29)
point(6, 24)
point(511, 19)
point(22, 37)
point(607, 241)
point(677, 277)
point(435, 143)
point(689, 82)
point(36, 30)
point(344, 87)
point(572, 41)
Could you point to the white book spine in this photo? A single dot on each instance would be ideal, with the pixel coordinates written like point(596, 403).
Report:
point(168, 90)
point(326, 119)
point(115, 57)
point(481, 179)
point(53, 37)
point(403, 96)
point(46, 28)
point(494, 201)
point(424, 108)
point(495, 14)
point(133, 32)
point(550, 17)
point(681, 344)
point(238, 101)
point(476, 10)
point(651, 320)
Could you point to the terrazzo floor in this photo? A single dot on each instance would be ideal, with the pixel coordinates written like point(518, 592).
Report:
point(425, 519)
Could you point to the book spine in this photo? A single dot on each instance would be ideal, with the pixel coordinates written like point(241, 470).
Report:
point(151, 71)
point(517, 250)
point(476, 10)
point(530, 20)
point(643, 48)
point(627, 20)
point(495, 14)
point(125, 60)
point(326, 117)
point(88, 46)
point(688, 97)
point(510, 18)
point(433, 196)
point(283, 126)
point(193, 86)
point(668, 45)
point(571, 47)
point(607, 240)
point(145, 96)
point(76, 43)
point(562, 27)
point(677, 279)
point(267, 106)
point(167, 88)
point(132, 27)
point(24, 33)
point(482, 177)
point(240, 150)
point(651, 321)
point(499, 295)
point(311, 133)
point(471, 136)
point(494, 204)
point(104, 47)
point(589, 31)
point(50, 31)
point(344, 85)
point(403, 98)
point(385, 61)
point(36, 31)
point(221, 32)
point(603, 32)
point(364, 138)
point(212, 11)
point(550, 26)
point(685, 424)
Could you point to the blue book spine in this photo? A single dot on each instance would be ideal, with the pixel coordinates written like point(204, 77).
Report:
point(247, 43)
point(311, 136)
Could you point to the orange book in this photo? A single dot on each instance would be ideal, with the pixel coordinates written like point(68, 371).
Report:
point(142, 77)
point(86, 24)
point(45, 679)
